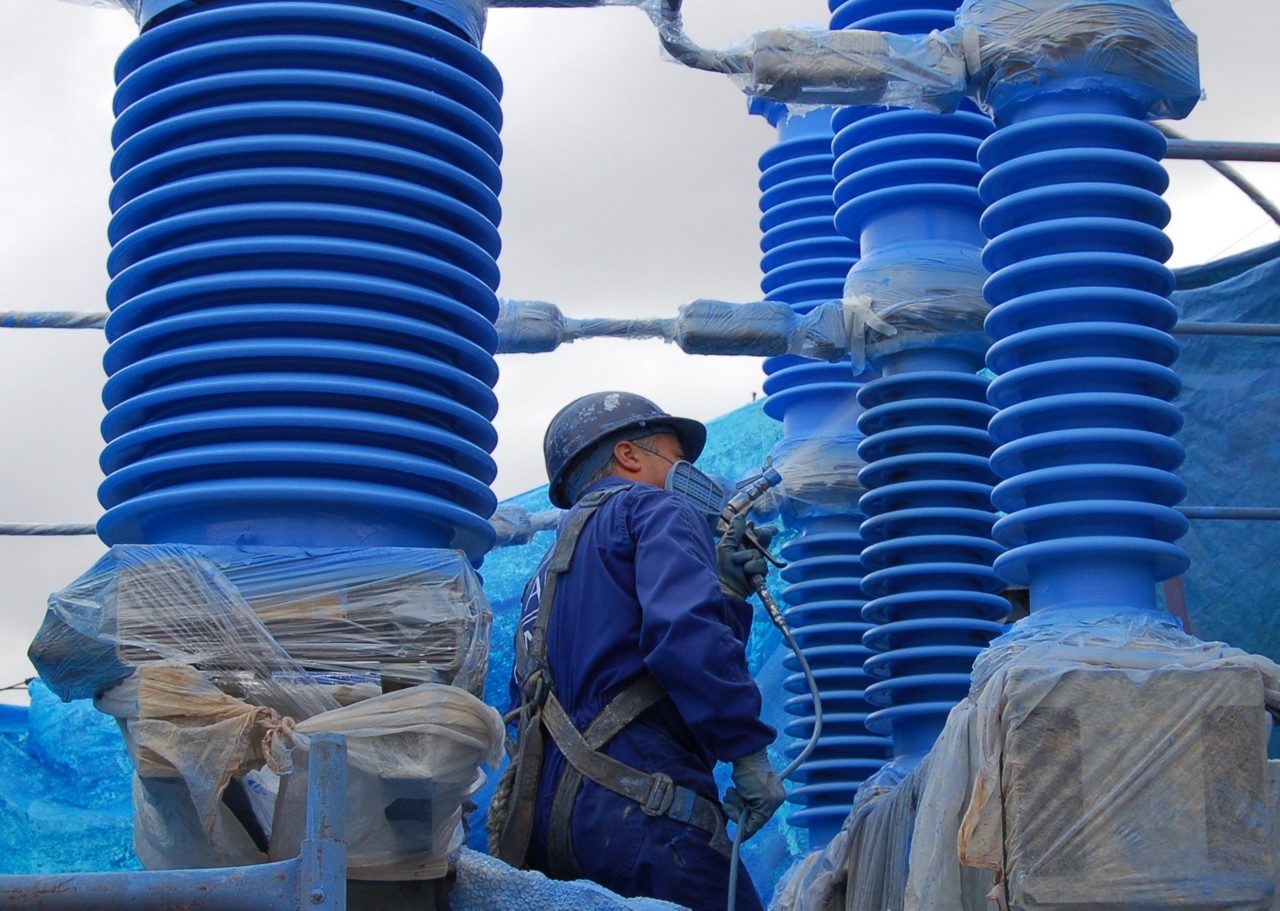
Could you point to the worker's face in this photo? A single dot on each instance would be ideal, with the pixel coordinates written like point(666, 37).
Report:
point(652, 460)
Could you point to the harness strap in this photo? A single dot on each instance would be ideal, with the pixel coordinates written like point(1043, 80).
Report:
point(536, 685)
point(656, 793)
point(641, 695)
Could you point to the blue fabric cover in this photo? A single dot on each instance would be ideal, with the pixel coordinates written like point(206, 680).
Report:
point(642, 595)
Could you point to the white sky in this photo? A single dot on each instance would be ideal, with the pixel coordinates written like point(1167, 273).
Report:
point(630, 188)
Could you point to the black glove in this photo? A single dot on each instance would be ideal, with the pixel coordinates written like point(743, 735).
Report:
point(737, 561)
point(757, 789)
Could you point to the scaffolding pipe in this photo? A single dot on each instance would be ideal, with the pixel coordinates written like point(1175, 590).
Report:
point(17, 530)
point(1233, 513)
point(1209, 150)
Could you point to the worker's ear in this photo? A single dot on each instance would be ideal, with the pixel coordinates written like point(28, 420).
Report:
point(627, 455)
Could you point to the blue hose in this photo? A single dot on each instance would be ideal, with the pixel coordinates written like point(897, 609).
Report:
point(303, 274)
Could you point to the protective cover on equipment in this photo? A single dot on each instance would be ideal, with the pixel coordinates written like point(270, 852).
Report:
point(1015, 47)
point(758, 328)
point(515, 525)
point(906, 302)
point(265, 623)
point(413, 759)
point(219, 661)
point(1101, 759)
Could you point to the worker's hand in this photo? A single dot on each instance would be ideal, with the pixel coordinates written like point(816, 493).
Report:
point(757, 789)
point(737, 561)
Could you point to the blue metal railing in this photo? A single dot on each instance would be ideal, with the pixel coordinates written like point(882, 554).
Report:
point(314, 880)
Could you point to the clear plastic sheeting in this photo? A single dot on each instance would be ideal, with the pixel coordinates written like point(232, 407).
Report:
point(1102, 760)
point(758, 328)
point(903, 303)
point(413, 757)
point(763, 329)
point(1016, 47)
point(1076, 803)
point(299, 630)
point(515, 525)
point(819, 474)
point(810, 66)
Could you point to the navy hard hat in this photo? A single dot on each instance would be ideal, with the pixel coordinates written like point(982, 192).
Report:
point(581, 426)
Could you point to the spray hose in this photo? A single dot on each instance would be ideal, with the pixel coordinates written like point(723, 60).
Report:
point(738, 504)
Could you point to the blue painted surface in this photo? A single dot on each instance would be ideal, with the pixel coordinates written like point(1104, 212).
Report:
point(805, 263)
point(303, 272)
point(1084, 358)
point(907, 189)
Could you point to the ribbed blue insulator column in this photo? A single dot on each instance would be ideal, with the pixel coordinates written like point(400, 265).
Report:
point(805, 263)
point(303, 274)
point(907, 189)
point(1083, 353)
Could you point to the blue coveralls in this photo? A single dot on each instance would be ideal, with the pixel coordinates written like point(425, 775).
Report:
point(642, 593)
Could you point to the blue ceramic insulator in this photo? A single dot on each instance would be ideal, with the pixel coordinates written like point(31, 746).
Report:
point(907, 190)
point(805, 263)
point(303, 274)
point(1083, 353)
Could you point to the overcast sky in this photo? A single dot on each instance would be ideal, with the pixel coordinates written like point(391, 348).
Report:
point(630, 188)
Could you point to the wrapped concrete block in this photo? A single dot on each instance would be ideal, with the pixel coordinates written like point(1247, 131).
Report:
point(1135, 790)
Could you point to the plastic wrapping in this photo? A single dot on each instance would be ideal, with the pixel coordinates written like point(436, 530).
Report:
point(1101, 760)
point(903, 303)
point(290, 628)
point(811, 66)
point(1119, 762)
point(820, 472)
point(413, 758)
point(763, 329)
point(852, 67)
point(529, 327)
point(515, 525)
point(1016, 47)
point(760, 329)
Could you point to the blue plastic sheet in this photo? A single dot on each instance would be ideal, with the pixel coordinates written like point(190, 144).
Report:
point(64, 789)
point(1231, 404)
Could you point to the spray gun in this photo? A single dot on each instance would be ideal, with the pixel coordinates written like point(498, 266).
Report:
point(740, 504)
point(708, 496)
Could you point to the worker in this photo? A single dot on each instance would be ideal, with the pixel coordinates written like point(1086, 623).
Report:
point(630, 658)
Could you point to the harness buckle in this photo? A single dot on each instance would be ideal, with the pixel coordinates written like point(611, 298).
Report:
point(662, 792)
point(535, 689)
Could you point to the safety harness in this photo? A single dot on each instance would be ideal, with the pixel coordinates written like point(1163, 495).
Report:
point(539, 709)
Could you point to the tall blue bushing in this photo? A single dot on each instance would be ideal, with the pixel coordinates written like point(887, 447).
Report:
point(805, 263)
point(907, 190)
point(1080, 321)
point(302, 279)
